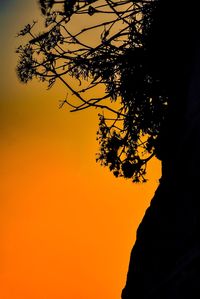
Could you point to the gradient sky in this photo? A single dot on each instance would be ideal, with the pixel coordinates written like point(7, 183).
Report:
point(66, 224)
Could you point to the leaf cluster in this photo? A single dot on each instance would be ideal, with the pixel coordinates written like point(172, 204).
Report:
point(133, 104)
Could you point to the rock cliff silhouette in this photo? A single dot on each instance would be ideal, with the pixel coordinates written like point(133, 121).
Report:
point(165, 260)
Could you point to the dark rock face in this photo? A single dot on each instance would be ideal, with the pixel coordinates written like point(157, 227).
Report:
point(165, 260)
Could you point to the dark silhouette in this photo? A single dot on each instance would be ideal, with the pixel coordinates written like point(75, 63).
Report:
point(132, 103)
point(165, 260)
point(148, 58)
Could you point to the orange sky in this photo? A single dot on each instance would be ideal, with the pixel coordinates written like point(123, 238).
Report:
point(66, 224)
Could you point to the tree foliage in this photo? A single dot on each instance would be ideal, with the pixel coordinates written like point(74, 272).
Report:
point(102, 45)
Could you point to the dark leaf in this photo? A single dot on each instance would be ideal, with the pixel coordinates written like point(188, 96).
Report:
point(91, 10)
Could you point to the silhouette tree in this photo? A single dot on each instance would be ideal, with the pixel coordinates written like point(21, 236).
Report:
point(145, 59)
point(110, 54)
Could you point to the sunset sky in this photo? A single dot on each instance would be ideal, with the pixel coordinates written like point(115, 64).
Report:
point(67, 225)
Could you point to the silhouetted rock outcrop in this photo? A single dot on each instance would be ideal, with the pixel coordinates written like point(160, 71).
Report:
point(165, 260)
